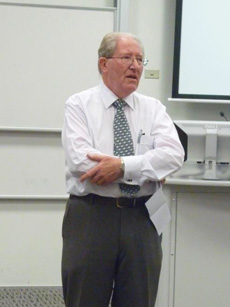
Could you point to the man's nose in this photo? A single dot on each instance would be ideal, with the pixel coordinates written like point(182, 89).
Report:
point(134, 62)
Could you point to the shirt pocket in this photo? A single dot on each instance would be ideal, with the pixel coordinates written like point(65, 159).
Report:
point(146, 143)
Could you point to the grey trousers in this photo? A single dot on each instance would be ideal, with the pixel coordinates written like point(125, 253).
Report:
point(109, 253)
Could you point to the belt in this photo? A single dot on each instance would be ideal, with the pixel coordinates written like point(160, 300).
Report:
point(119, 202)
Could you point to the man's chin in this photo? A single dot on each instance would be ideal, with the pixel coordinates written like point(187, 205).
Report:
point(132, 86)
point(127, 89)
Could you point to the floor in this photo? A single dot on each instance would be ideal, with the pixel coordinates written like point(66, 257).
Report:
point(31, 297)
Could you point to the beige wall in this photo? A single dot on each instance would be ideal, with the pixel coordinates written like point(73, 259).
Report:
point(25, 223)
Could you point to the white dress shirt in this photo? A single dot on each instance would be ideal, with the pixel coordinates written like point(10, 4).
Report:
point(88, 128)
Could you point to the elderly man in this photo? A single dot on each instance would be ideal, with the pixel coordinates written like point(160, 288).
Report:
point(119, 146)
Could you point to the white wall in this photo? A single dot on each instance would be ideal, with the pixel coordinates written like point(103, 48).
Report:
point(46, 56)
point(30, 238)
point(153, 22)
point(81, 3)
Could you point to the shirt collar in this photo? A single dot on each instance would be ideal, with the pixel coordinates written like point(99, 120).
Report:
point(108, 97)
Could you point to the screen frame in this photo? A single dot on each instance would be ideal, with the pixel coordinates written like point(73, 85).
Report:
point(176, 62)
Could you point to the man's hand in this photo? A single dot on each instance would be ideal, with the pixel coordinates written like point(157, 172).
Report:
point(105, 172)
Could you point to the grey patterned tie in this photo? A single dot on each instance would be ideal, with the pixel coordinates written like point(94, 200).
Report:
point(123, 142)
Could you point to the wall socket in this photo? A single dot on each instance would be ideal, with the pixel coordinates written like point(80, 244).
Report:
point(152, 74)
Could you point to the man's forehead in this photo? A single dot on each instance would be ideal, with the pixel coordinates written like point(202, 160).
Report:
point(127, 45)
point(127, 41)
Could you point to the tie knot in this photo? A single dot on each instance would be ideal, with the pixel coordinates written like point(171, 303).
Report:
point(119, 104)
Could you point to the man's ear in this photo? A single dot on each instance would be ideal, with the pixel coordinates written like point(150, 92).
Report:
point(102, 63)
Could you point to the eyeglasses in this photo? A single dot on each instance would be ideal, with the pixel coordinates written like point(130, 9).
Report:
point(128, 60)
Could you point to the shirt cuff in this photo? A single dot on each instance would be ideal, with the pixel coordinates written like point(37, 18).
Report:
point(132, 168)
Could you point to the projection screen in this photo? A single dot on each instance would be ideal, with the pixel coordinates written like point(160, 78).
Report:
point(202, 50)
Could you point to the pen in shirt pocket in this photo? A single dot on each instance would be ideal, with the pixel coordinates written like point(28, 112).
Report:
point(139, 136)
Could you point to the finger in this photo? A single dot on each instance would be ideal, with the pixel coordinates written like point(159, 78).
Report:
point(88, 174)
point(95, 157)
point(84, 177)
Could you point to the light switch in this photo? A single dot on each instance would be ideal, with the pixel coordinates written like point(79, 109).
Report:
point(152, 74)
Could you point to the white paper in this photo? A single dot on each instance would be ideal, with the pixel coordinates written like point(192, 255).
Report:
point(158, 210)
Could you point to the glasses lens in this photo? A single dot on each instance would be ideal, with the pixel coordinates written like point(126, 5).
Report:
point(126, 60)
point(129, 60)
point(145, 62)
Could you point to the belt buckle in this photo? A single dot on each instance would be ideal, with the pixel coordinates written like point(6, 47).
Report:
point(117, 204)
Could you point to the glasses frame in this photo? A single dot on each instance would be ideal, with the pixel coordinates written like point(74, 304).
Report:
point(128, 60)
